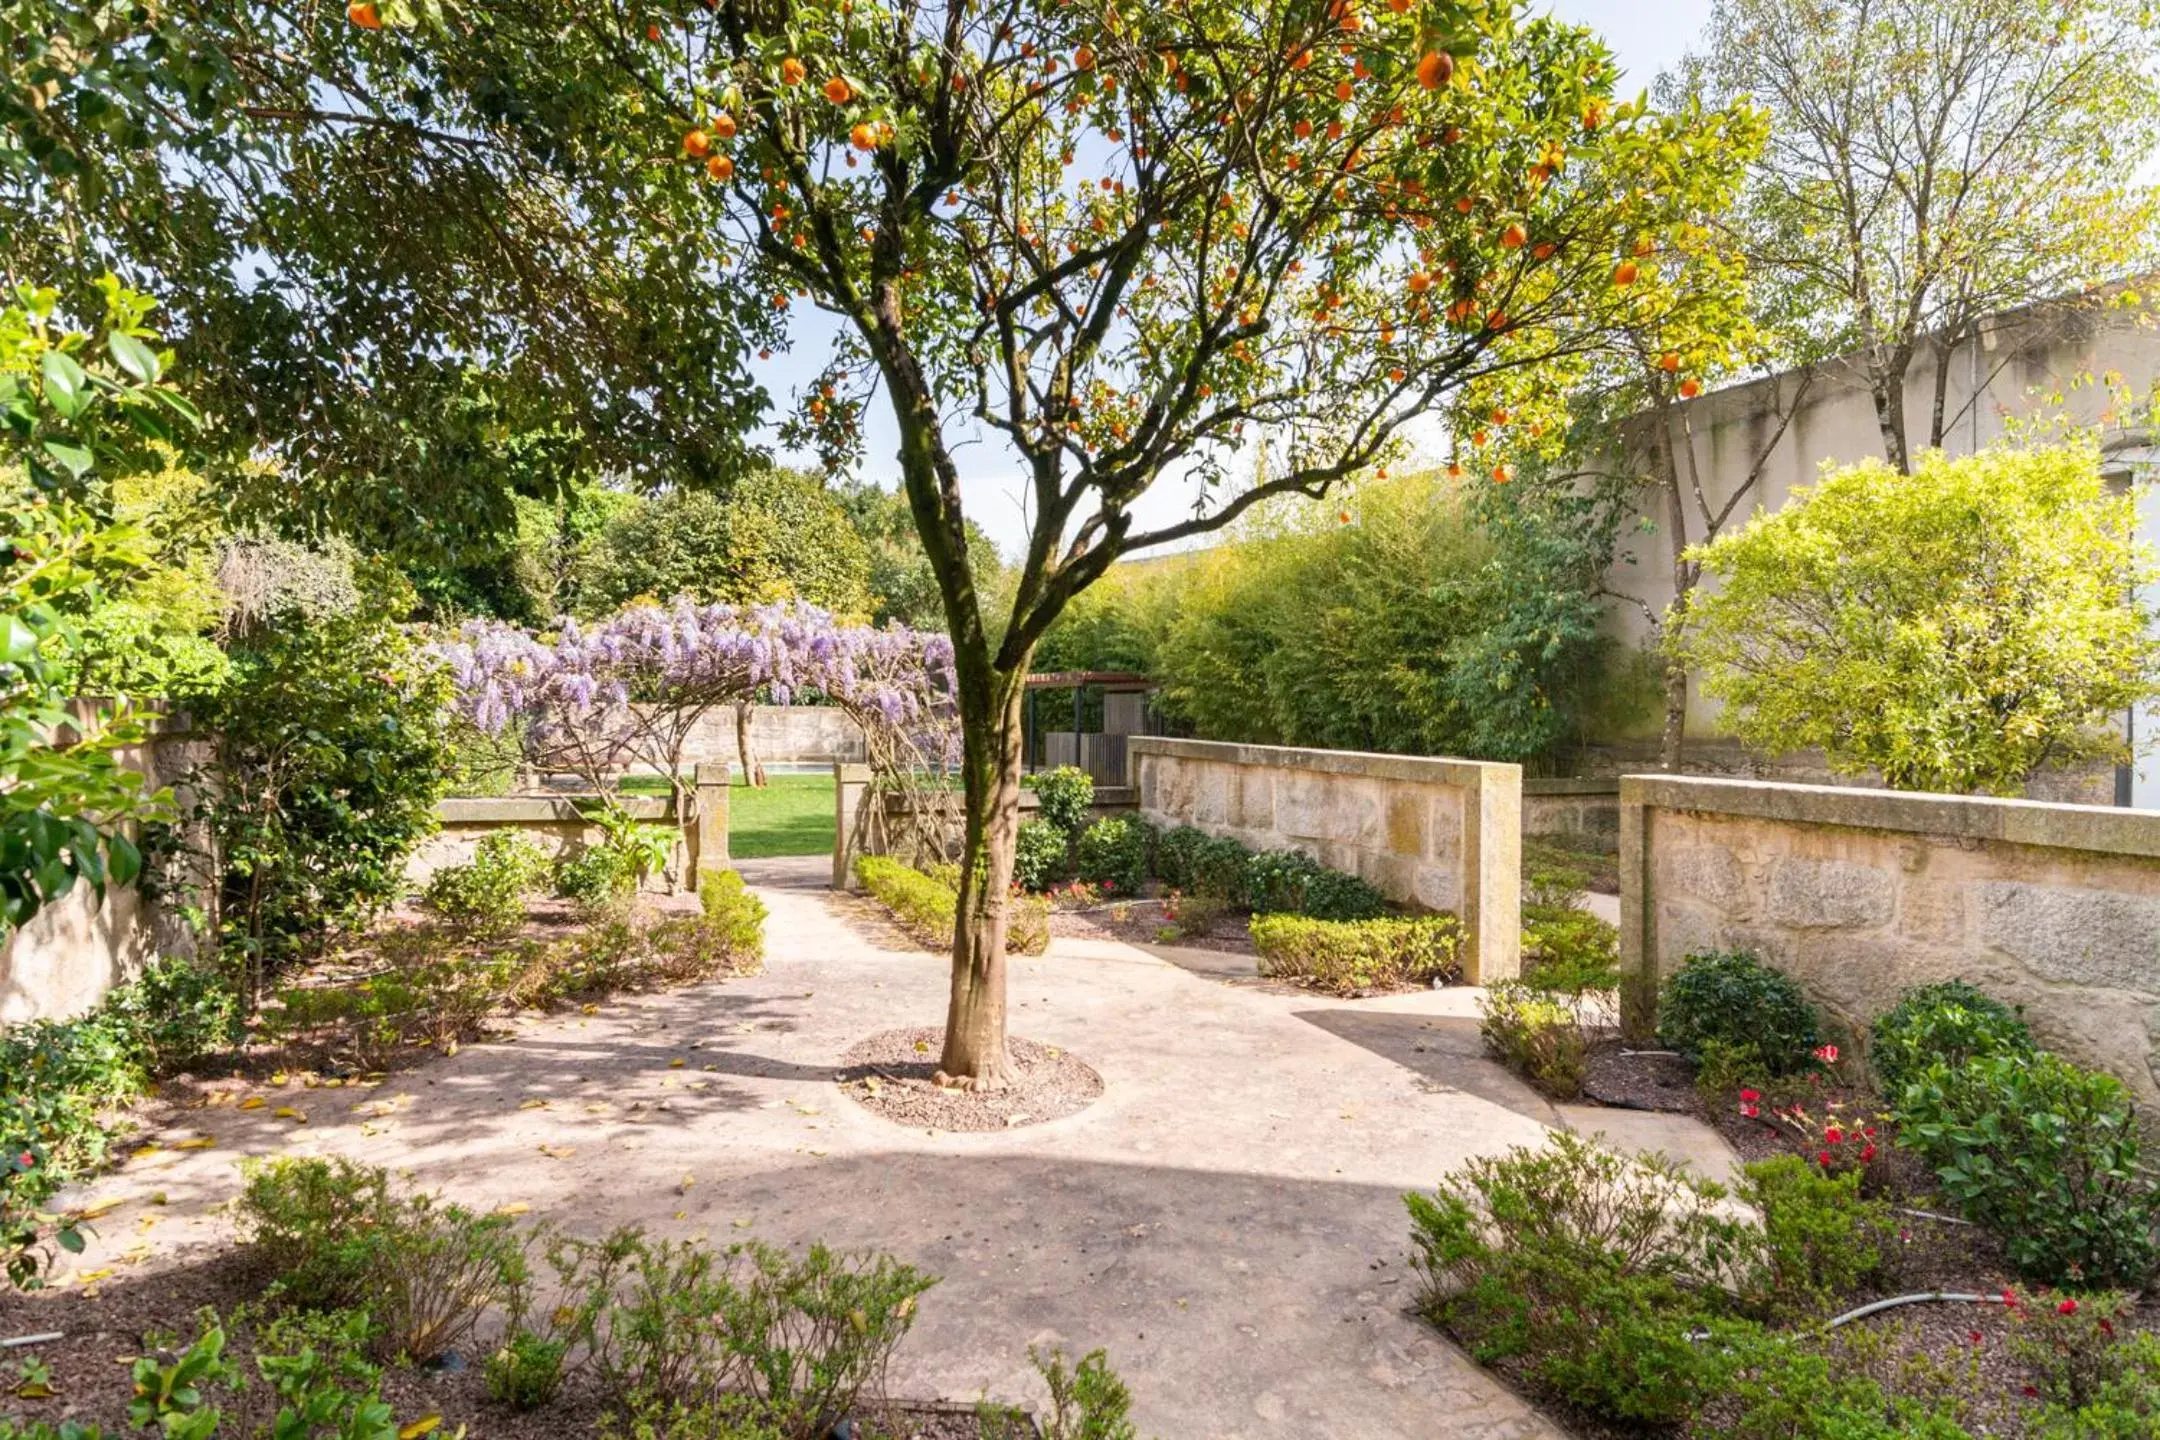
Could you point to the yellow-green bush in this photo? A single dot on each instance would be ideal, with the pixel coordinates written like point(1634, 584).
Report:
point(736, 916)
point(926, 905)
point(1344, 957)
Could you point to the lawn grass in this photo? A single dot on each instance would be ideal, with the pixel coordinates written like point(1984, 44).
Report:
point(790, 815)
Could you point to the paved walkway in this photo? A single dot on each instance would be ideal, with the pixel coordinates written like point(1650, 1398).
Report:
point(1226, 1220)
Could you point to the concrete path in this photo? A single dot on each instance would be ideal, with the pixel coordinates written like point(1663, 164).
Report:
point(1226, 1220)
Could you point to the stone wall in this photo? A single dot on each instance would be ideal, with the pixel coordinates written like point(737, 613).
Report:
point(76, 949)
point(862, 827)
point(1583, 813)
point(779, 734)
point(1861, 894)
point(1431, 833)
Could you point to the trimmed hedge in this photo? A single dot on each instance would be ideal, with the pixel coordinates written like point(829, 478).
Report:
point(1345, 957)
point(926, 906)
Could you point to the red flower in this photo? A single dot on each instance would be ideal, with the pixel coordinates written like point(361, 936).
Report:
point(26, 1160)
point(2009, 1299)
point(2068, 1307)
point(2031, 1392)
point(1750, 1110)
point(1867, 1154)
point(2107, 1327)
point(1827, 1054)
point(1976, 1337)
point(1834, 1135)
point(1824, 1159)
point(1751, 1096)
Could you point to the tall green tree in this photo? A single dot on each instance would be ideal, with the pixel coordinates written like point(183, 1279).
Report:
point(1933, 163)
point(778, 536)
point(1957, 628)
point(405, 271)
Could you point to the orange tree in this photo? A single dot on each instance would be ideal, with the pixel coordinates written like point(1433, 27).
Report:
point(1241, 245)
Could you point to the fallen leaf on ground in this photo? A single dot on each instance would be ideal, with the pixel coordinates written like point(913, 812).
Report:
point(253, 1102)
point(558, 1152)
point(426, 1425)
point(200, 1142)
point(677, 1063)
point(535, 1104)
point(515, 1207)
point(287, 1112)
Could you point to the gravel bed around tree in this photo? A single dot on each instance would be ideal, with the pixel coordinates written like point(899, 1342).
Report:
point(892, 1074)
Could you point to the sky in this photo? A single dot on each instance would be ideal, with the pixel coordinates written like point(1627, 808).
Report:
point(1647, 36)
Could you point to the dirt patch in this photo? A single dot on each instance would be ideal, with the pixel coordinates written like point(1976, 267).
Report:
point(1142, 922)
point(891, 1074)
point(1639, 1080)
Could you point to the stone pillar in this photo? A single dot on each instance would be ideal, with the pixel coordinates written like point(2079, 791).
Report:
point(851, 790)
point(1492, 874)
point(1638, 940)
point(709, 841)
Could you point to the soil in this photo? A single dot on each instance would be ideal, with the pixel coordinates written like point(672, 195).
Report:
point(1140, 922)
point(891, 1075)
point(1639, 1080)
point(106, 1326)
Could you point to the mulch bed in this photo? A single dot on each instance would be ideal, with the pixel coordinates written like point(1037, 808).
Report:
point(1140, 922)
point(1642, 1080)
point(105, 1327)
point(891, 1075)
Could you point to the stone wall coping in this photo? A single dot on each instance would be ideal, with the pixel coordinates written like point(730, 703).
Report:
point(1426, 769)
point(540, 809)
point(1572, 785)
point(2100, 828)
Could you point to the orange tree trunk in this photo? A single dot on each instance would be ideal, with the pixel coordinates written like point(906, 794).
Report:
point(975, 1056)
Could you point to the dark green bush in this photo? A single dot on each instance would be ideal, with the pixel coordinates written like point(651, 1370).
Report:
point(526, 1370)
point(927, 905)
point(1064, 795)
point(1039, 856)
point(485, 896)
point(1290, 882)
point(175, 1013)
point(1538, 1037)
point(2047, 1156)
point(1346, 957)
point(1198, 863)
point(1736, 1000)
point(1787, 1387)
point(331, 750)
point(1945, 1024)
point(1113, 853)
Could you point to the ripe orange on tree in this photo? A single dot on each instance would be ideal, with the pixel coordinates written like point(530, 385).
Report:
point(720, 168)
point(1624, 273)
point(363, 14)
point(792, 71)
point(839, 91)
point(697, 144)
point(1435, 69)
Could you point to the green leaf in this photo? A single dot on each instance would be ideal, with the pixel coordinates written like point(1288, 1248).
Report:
point(74, 458)
point(67, 388)
point(18, 642)
point(138, 359)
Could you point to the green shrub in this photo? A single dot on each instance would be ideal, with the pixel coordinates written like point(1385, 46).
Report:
point(1534, 1035)
point(1065, 794)
point(595, 879)
point(336, 1236)
point(1552, 878)
point(1821, 1240)
point(736, 916)
point(1202, 864)
point(1786, 1387)
point(1293, 883)
point(1735, 999)
point(526, 1370)
point(1087, 1402)
point(1945, 1024)
point(1592, 1269)
point(2069, 1344)
point(2046, 1155)
point(1191, 916)
point(797, 1342)
point(2125, 1405)
point(926, 907)
point(1569, 951)
point(331, 749)
point(175, 1013)
point(1113, 853)
point(1346, 957)
point(486, 895)
point(1039, 853)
